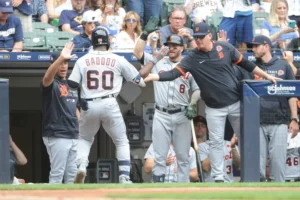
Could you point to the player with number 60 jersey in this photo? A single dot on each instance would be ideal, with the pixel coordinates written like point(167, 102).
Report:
point(100, 75)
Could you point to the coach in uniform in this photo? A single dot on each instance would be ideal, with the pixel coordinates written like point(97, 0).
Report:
point(211, 66)
point(278, 115)
point(60, 118)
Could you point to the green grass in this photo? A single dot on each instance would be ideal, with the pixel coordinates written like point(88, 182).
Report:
point(214, 195)
point(143, 185)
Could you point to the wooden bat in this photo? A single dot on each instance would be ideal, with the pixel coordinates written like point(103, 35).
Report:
point(199, 165)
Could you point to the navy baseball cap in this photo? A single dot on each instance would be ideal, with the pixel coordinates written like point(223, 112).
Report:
point(6, 6)
point(261, 39)
point(54, 56)
point(200, 118)
point(201, 29)
point(174, 39)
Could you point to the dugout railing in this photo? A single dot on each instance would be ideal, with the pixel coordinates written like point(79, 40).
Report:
point(252, 91)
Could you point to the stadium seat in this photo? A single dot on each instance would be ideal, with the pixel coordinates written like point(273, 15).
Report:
point(58, 40)
point(43, 27)
point(214, 22)
point(258, 18)
point(168, 6)
point(34, 41)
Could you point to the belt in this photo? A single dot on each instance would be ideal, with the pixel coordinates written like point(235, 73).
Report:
point(171, 111)
point(104, 97)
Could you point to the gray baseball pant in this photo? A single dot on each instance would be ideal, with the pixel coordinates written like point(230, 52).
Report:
point(62, 156)
point(273, 140)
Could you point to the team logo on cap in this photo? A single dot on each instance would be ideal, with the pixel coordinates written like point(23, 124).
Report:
point(171, 38)
point(197, 29)
point(253, 40)
point(99, 40)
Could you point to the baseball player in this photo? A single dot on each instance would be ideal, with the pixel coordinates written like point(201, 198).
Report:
point(171, 164)
point(211, 66)
point(60, 118)
point(100, 74)
point(278, 115)
point(231, 158)
point(292, 167)
point(172, 99)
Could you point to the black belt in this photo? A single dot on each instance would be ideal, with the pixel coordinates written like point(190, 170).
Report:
point(171, 111)
point(104, 97)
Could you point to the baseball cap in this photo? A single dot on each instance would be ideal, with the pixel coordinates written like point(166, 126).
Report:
point(54, 56)
point(174, 39)
point(6, 6)
point(261, 39)
point(201, 29)
point(199, 118)
point(90, 16)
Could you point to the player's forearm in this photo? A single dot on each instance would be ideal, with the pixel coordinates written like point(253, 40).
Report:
point(20, 157)
point(138, 50)
point(169, 75)
point(206, 165)
point(293, 68)
point(51, 72)
point(144, 71)
point(236, 159)
point(293, 107)
point(195, 96)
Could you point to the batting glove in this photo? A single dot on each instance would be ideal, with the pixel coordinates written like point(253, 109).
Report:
point(191, 111)
point(150, 27)
point(157, 56)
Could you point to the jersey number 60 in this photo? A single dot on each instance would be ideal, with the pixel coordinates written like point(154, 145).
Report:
point(92, 80)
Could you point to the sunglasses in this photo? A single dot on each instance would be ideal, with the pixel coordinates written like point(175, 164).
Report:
point(130, 20)
point(199, 37)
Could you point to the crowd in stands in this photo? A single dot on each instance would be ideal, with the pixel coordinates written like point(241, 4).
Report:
point(125, 22)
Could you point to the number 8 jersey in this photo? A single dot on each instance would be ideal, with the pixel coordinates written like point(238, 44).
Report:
point(101, 73)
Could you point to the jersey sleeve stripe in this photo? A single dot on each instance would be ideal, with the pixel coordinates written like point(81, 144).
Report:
point(180, 70)
point(239, 60)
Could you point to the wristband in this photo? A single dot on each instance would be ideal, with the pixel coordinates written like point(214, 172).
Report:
point(144, 36)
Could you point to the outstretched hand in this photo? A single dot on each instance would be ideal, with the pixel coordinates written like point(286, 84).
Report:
point(151, 77)
point(273, 79)
point(67, 50)
point(151, 25)
point(222, 36)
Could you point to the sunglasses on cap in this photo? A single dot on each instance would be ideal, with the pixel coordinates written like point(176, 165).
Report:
point(130, 20)
point(199, 37)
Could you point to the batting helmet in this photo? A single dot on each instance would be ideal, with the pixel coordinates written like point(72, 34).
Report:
point(100, 37)
point(174, 39)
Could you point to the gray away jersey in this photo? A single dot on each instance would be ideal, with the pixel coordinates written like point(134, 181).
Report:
point(101, 73)
point(203, 149)
point(171, 93)
point(292, 167)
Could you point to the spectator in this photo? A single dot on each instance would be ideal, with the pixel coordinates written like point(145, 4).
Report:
point(112, 14)
point(131, 30)
point(11, 38)
point(294, 45)
point(276, 27)
point(39, 11)
point(60, 118)
point(145, 8)
point(23, 10)
point(55, 7)
point(16, 157)
point(294, 9)
point(237, 22)
point(83, 41)
point(94, 4)
point(199, 11)
point(171, 164)
point(278, 115)
point(70, 20)
point(266, 5)
point(177, 20)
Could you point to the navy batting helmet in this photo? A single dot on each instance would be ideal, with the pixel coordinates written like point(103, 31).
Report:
point(174, 39)
point(100, 37)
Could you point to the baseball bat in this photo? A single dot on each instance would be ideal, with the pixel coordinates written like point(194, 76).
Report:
point(199, 165)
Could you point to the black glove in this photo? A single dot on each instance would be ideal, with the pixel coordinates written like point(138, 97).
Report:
point(150, 27)
point(191, 111)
